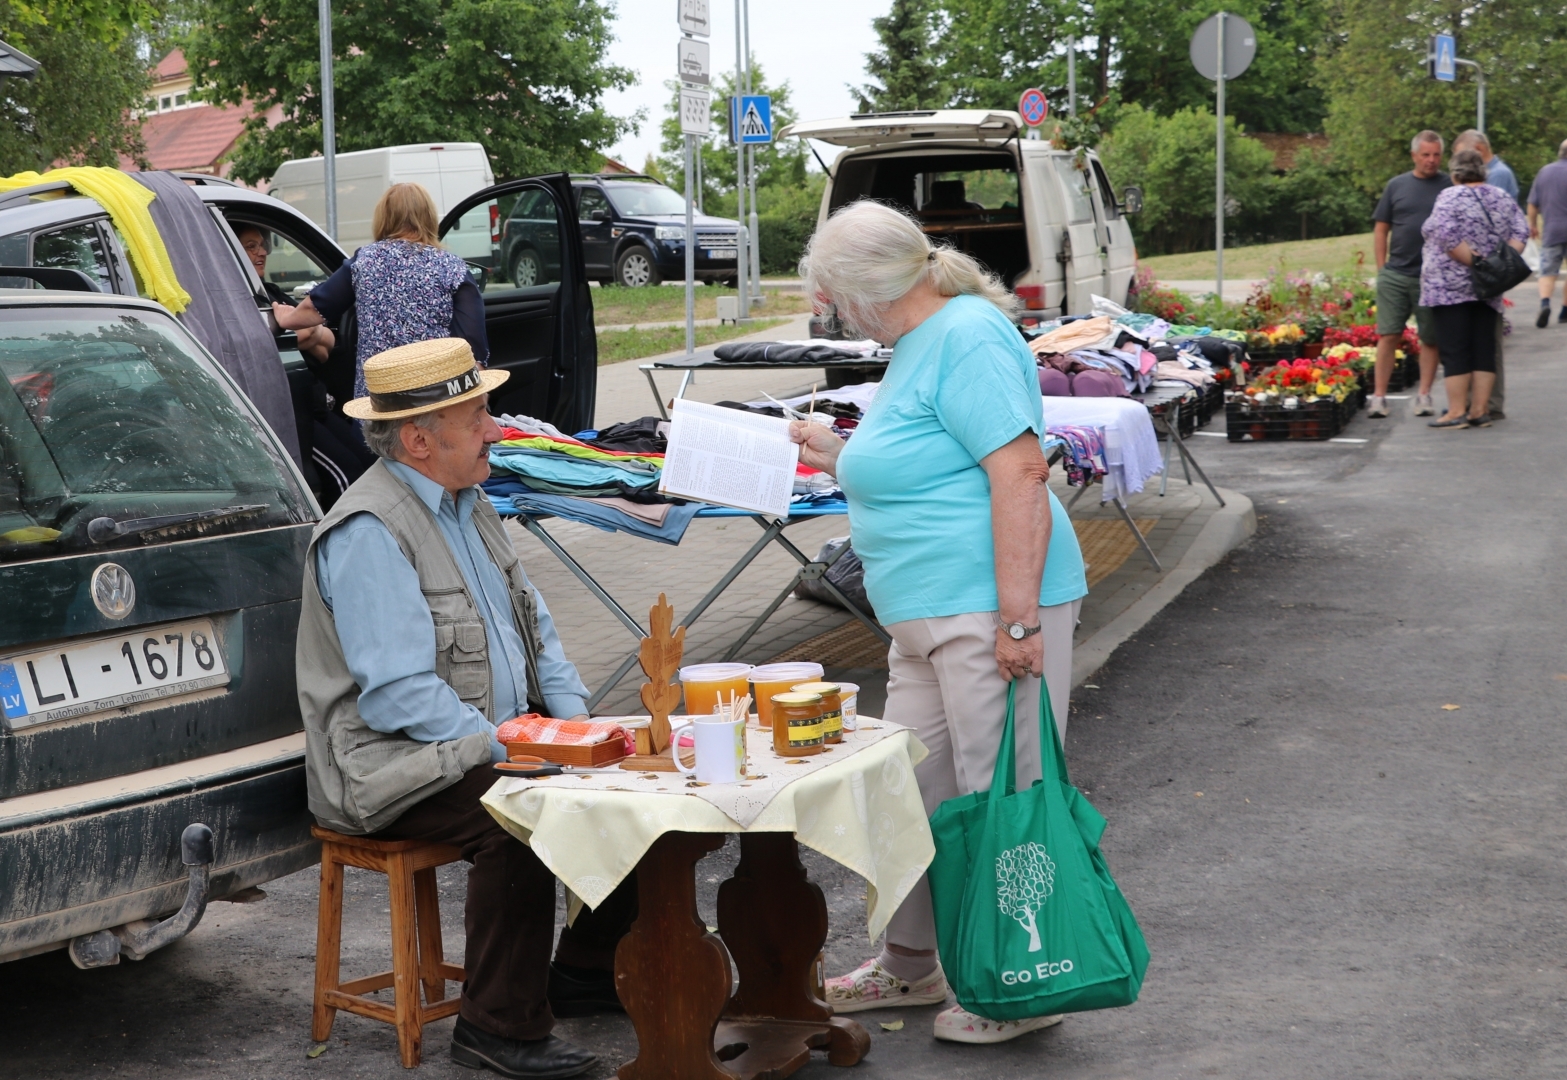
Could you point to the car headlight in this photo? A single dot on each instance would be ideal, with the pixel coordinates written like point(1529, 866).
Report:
point(670, 232)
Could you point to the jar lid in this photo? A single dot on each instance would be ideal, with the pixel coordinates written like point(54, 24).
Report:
point(815, 688)
point(714, 672)
point(790, 672)
point(797, 699)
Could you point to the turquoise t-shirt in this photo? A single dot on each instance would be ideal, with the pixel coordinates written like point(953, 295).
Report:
point(961, 385)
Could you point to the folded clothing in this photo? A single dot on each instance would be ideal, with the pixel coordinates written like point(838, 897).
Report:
point(578, 472)
point(533, 728)
point(511, 496)
point(784, 352)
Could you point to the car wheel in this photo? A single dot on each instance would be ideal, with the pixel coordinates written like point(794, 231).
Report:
point(635, 268)
point(526, 270)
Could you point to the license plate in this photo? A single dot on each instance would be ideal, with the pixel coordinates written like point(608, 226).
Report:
point(153, 662)
point(719, 253)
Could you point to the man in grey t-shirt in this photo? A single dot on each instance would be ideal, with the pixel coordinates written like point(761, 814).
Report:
point(1400, 213)
point(1548, 196)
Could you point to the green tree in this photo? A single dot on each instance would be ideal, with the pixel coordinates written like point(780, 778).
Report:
point(526, 78)
point(1172, 158)
point(80, 107)
point(1321, 193)
point(905, 71)
point(1380, 95)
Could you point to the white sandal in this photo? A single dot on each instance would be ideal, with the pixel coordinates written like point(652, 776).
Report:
point(957, 1024)
point(871, 986)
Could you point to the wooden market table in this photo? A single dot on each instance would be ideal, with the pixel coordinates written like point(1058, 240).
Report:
point(858, 804)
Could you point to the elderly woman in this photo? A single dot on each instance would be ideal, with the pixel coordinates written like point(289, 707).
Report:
point(969, 559)
point(406, 287)
point(1470, 220)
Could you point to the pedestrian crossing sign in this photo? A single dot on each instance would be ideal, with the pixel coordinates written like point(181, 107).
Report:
point(751, 119)
point(1444, 58)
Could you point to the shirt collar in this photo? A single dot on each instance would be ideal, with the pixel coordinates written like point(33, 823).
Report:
point(430, 493)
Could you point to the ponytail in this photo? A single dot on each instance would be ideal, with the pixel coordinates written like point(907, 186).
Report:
point(953, 273)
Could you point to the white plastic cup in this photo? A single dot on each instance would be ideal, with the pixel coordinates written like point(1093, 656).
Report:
point(849, 693)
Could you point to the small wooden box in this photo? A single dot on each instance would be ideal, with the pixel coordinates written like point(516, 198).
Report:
point(603, 753)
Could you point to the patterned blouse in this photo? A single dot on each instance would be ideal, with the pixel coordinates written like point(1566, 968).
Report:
point(1460, 214)
point(404, 292)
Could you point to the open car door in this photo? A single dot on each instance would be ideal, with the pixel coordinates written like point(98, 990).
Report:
point(540, 329)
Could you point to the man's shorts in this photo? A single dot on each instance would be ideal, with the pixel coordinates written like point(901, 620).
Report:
point(1398, 297)
point(1551, 259)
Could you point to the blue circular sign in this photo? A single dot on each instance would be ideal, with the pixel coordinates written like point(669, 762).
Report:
point(1033, 106)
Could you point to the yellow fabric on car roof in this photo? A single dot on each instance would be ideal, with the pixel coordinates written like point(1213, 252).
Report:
point(127, 203)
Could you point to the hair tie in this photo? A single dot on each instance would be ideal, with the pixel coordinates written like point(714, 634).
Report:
point(930, 256)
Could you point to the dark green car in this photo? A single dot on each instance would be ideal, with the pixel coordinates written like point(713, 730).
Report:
point(152, 538)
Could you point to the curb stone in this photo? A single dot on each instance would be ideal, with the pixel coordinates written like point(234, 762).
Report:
point(1228, 527)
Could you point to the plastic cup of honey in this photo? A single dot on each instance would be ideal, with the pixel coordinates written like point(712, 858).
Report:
point(848, 693)
point(770, 679)
point(705, 685)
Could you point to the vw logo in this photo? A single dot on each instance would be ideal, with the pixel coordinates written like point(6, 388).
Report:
point(113, 591)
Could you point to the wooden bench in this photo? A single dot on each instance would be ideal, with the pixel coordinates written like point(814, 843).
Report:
point(409, 866)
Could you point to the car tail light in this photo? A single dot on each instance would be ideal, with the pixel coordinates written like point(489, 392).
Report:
point(1033, 296)
point(495, 223)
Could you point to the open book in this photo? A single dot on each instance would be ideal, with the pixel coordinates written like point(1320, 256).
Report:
point(729, 457)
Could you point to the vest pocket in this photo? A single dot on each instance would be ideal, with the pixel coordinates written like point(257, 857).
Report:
point(384, 768)
point(462, 660)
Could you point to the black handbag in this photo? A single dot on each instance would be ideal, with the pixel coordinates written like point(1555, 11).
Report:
point(1496, 273)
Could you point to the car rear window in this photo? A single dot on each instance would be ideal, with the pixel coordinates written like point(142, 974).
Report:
point(115, 431)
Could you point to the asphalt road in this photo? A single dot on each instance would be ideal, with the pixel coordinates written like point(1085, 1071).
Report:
point(1337, 876)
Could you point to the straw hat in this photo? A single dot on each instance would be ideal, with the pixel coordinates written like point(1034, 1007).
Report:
point(421, 378)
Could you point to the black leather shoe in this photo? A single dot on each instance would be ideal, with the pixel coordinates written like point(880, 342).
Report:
point(549, 1058)
point(575, 991)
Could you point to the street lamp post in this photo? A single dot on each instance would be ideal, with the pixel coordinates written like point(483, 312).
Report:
point(1480, 92)
point(328, 119)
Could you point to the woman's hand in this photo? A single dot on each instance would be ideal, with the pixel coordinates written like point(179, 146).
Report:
point(1018, 659)
point(819, 447)
point(302, 317)
point(1462, 253)
point(1516, 245)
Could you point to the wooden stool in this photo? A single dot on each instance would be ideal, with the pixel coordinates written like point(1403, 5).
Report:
point(409, 866)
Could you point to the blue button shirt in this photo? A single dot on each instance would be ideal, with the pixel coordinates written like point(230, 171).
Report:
point(1500, 174)
point(388, 633)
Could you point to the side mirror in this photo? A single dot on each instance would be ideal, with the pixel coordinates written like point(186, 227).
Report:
point(1132, 199)
point(603, 215)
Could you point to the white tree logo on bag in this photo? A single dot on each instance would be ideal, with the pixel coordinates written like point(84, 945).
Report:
point(1025, 877)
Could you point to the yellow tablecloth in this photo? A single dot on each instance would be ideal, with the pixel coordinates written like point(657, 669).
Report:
point(863, 811)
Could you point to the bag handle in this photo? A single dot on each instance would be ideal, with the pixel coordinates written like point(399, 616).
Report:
point(1004, 778)
point(1050, 735)
point(1491, 224)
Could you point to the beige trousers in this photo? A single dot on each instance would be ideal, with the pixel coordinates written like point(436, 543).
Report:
point(943, 683)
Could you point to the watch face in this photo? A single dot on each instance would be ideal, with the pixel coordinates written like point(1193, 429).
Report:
point(1017, 631)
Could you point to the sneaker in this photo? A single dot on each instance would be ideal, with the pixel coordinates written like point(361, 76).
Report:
point(1376, 406)
point(1543, 319)
point(1424, 406)
point(871, 986)
point(957, 1024)
point(1561, 316)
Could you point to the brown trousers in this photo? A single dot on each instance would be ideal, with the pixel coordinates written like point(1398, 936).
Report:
point(510, 912)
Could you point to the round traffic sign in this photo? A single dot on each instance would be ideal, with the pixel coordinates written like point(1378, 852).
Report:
point(1240, 46)
point(1033, 106)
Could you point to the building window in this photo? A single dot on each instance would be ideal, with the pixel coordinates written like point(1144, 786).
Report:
point(165, 102)
point(179, 100)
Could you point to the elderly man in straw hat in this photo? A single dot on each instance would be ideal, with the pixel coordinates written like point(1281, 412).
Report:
point(419, 633)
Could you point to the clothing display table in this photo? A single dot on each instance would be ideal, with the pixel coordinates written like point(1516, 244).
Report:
point(857, 803)
point(772, 533)
point(1164, 405)
point(867, 367)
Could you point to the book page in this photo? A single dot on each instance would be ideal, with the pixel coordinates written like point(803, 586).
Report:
point(728, 457)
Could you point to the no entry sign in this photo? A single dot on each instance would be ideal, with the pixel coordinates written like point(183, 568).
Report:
point(1033, 106)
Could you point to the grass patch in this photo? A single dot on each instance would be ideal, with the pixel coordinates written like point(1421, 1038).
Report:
point(617, 306)
point(618, 345)
point(1327, 256)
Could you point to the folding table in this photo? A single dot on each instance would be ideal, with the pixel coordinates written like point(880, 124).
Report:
point(1164, 405)
point(860, 366)
point(772, 533)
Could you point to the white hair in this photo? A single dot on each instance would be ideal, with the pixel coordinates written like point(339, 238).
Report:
point(868, 256)
point(385, 437)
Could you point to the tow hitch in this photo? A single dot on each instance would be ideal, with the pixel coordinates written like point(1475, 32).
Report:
point(137, 939)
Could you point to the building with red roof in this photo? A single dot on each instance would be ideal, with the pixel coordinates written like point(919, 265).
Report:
point(186, 135)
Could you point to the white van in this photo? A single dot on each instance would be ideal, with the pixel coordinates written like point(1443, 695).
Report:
point(449, 171)
point(1054, 232)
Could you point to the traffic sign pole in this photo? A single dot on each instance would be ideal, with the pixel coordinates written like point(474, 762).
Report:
point(696, 121)
point(1218, 208)
point(741, 255)
point(755, 234)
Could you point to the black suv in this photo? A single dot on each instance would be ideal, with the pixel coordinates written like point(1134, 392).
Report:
point(633, 233)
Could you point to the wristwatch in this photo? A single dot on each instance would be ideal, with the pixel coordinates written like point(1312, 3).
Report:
point(1017, 631)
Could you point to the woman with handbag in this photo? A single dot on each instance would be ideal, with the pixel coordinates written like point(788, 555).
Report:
point(969, 559)
point(1471, 257)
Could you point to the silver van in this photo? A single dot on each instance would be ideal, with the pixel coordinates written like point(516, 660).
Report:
point(1047, 222)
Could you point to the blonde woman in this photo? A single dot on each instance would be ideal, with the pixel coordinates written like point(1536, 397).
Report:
point(405, 287)
point(969, 559)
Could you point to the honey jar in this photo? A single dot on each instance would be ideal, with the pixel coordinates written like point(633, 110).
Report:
point(797, 724)
point(832, 708)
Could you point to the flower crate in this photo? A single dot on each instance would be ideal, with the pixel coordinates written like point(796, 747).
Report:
point(1312, 421)
point(1272, 354)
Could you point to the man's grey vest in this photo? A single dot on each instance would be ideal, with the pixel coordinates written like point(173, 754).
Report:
point(358, 779)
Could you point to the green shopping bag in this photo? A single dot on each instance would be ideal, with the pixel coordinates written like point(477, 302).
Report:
point(1028, 919)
